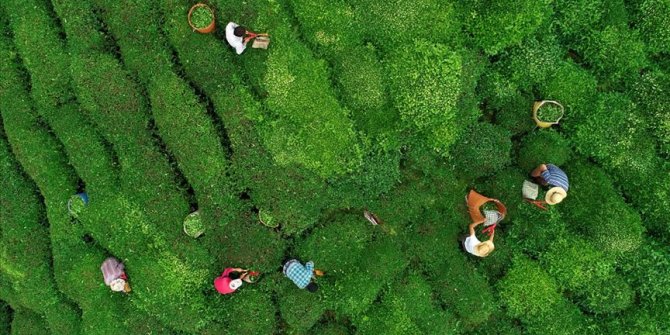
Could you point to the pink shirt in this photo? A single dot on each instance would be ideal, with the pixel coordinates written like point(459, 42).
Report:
point(222, 283)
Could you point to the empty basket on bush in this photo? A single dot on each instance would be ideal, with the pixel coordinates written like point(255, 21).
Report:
point(546, 123)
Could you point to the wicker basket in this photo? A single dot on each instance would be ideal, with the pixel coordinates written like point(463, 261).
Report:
point(542, 123)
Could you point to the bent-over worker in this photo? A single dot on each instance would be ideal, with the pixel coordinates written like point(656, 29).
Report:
point(550, 175)
point(114, 275)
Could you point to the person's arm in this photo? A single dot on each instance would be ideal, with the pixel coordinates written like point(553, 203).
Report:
point(538, 170)
point(310, 266)
point(493, 233)
point(238, 270)
point(472, 228)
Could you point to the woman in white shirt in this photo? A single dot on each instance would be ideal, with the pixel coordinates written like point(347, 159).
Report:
point(476, 247)
point(235, 37)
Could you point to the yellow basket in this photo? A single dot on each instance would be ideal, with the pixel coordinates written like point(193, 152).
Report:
point(541, 123)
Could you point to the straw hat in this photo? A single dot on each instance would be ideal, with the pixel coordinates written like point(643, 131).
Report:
point(484, 249)
point(555, 195)
point(117, 285)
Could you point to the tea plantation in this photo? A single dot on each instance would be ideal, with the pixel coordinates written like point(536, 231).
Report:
point(398, 107)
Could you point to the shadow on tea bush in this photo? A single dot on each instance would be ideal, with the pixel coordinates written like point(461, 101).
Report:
point(543, 146)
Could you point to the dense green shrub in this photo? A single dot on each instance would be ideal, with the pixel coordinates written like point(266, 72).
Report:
point(363, 90)
point(497, 25)
point(531, 295)
point(532, 62)
point(5, 318)
point(483, 150)
point(354, 289)
point(613, 130)
point(649, 92)
point(425, 82)
point(249, 311)
point(610, 296)
point(655, 25)
point(615, 52)
point(26, 321)
point(576, 18)
point(575, 88)
point(544, 146)
point(48, 64)
point(600, 212)
point(399, 22)
point(645, 270)
point(328, 25)
point(297, 83)
point(299, 308)
point(516, 115)
point(576, 264)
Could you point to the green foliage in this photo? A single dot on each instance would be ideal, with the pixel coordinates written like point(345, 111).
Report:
point(329, 25)
point(614, 129)
point(26, 322)
point(299, 308)
point(577, 265)
point(601, 212)
point(399, 22)
point(576, 18)
point(497, 25)
point(532, 296)
point(615, 52)
point(611, 296)
point(649, 92)
point(544, 146)
point(655, 25)
point(425, 82)
point(646, 272)
point(483, 150)
point(5, 318)
point(532, 61)
point(574, 88)
point(202, 17)
point(296, 83)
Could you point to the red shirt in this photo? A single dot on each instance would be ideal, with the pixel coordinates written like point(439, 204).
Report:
point(222, 283)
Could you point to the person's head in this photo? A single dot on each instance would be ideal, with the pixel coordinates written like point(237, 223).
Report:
point(484, 249)
point(555, 195)
point(239, 31)
point(118, 285)
point(234, 275)
point(312, 287)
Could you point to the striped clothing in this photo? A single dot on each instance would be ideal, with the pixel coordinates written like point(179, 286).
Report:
point(299, 274)
point(556, 177)
point(112, 269)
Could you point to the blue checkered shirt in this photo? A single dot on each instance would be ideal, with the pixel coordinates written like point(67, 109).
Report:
point(556, 177)
point(299, 274)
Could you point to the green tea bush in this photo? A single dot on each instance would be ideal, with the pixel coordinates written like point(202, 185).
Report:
point(399, 22)
point(615, 53)
point(5, 318)
point(330, 329)
point(328, 25)
point(387, 318)
point(531, 295)
point(425, 82)
point(29, 273)
point(249, 311)
point(363, 90)
point(577, 265)
point(575, 88)
point(600, 212)
point(299, 308)
point(497, 88)
point(415, 296)
point(577, 18)
point(611, 296)
point(532, 61)
point(26, 321)
point(649, 92)
point(354, 289)
point(515, 115)
point(544, 146)
point(338, 245)
point(611, 131)
point(645, 271)
point(483, 150)
point(655, 25)
point(505, 186)
point(47, 62)
point(497, 25)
